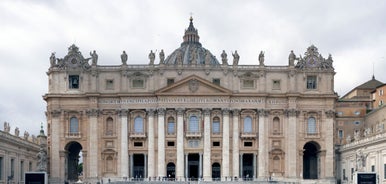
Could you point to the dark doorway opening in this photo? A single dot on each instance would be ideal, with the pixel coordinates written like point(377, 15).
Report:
point(247, 172)
point(310, 160)
point(171, 171)
point(193, 166)
point(138, 166)
point(216, 172)
point(73, 169)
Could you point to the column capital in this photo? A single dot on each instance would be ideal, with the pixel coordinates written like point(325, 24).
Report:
point(55, 113)
point(330, 113)
point(291, 112)
point(225, 111)
point(236, 112)
point(207, 111)
point(180, 111)
point(92, 112)
point(150, 112)
point(122, 112)
point(161, 111)
point(263, 112)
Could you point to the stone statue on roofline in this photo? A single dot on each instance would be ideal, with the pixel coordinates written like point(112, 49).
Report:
point(26, 135)
point(151, 57)
point(291, 58)
point(261, 58)
point(52, 59)
point(236, 58)
point(224, 58)
point(94, 57)
point(7, 128)
point(162, 57)
point(17, 131)
point(124, 58)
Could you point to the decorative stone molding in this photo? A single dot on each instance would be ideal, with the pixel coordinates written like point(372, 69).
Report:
point(263, 112)
point(207, 111)
point(330, 114)
point(122, 112)
point(56, 113)
point(150, 112)
point(236, 112)
point(161, 111)
point(93, 112)
point(180, 111)
point(225, 111)
point(292, 112)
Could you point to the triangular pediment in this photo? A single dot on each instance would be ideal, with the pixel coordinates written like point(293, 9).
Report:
point(193, 85)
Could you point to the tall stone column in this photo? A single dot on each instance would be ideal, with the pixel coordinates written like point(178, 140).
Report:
point(225, 144)
point(235, 145)
point(186, 166)
point(200, 166)
point(207, 145)
point(93, 143)
point(329, 139)
point(291, 143)
point(263, 144)
point(150, 146)
point(131, 165)
point(161, 143)
point(145, 175)
point(63, 158)
point(180, 145)
point(55, 163)
point(124, 156)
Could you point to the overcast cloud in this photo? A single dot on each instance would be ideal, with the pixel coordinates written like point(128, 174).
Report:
point(354, 32)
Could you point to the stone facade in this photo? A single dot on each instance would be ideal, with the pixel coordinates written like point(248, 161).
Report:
point(191, 117)
point(17, 155)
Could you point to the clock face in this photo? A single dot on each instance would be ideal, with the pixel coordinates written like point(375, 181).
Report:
point(312, 61)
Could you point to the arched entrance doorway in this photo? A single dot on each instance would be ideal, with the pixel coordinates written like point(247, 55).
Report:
point(247, 167)
point(74, 168)
point(216, 171)
point(170, 171)
point(310, 160)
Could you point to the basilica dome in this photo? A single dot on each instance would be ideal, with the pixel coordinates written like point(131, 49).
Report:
point(191, 51)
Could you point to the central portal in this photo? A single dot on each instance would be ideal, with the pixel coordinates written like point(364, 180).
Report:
point(193, 166)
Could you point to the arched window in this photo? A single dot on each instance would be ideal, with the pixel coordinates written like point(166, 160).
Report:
point(109, 164)
point(216, 125)
point(276, 125)
point(193, 124)
point(247, 124)
point(109, 126)
point(276, 164)
point(311, 125)
point(74, 125)
point(138, 124)
point(171, 125)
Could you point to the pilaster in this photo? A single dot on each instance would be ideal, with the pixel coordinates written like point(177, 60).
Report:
point(225, 145)
point(235, 145)
point(161, 143)
point(207, 175)
point(93, 142)
point(150, 146)
point(124, 143)
point(291, 143)
point(263, 145)
point(180, 145)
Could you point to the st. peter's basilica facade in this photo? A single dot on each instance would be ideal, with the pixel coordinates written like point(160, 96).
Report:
point(191, 116)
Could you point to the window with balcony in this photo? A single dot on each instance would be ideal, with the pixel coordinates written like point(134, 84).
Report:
point(194, 124)
point(216, 125)
point(247, 125)
point(171, 126)
point(138, 125)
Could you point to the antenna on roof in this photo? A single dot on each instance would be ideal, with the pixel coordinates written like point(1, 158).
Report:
point(373, 71)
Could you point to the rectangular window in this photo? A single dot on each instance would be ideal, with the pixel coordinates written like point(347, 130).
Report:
point(276, 84)
point(216, 144)
point(248, 144)
point(216, 81)
point(12, 167)
point(170, 81)
point(373, 168)
point(248, 83)
point(381, 92)
point(171, 128)
point(21, 170)
point(171, 143)
point(1, 168)
point(216, 127)
point(138, 144)
point(311, 82)
point(73, 81)
point(340, 134)
point(110, 84)
point(138, 83)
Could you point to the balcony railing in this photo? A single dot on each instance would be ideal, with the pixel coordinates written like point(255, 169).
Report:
point(137, 135)
point(248, 135)
point(73, 135)
point(193, 135)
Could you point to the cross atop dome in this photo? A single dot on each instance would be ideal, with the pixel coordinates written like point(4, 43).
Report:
point(191, 34)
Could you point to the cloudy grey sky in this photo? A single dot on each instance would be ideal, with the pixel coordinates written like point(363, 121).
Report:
point(354, 32)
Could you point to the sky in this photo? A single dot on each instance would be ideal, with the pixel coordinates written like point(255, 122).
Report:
point(352, 31)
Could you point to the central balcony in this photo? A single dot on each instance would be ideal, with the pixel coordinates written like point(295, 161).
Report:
point(248, 135)
point(193, 135)
point(137, 135)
